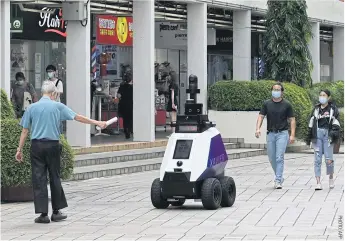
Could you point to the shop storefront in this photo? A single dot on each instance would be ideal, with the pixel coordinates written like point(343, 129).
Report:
point(42, 42)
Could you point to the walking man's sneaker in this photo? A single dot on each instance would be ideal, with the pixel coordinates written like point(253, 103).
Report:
point(318, 186)
point(331, 183)
point(42, 219)
point(278, 185)
point(58, 216)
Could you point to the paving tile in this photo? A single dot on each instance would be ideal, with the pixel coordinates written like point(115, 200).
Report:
point(275, 237)
point(46, 237)
point(120, 208)
point(233, 237)
point(334, 238)
point(317, 237)
point(254, 237)
point(295, 237)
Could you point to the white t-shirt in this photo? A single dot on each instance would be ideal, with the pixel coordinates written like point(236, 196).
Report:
point(59, 88)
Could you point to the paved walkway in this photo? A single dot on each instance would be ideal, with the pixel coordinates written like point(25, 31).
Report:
point(119, 208)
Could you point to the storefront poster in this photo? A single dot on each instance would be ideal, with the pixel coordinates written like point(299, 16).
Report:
point(114, 30)
point(19, 59)
point(111, 52)
point(38, 63)
point(38, 81)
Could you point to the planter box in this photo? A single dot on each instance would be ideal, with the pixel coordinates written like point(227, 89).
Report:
point(17, 194)
point(242, 124)
point(238, 124)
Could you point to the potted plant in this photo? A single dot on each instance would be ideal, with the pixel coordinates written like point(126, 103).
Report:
point(16, 177)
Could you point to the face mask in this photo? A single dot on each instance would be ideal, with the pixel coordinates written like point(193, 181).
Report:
point(20, 82)
point(323, 100)
point(276, 94)
point(50, 75)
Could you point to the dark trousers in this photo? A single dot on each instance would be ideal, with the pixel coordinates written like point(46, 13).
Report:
point(127, 117)
point(45, 157)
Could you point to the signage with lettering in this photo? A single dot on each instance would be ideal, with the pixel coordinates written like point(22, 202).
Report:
point(171, 35)
point(114, 30)
point(41, 26)
point(53, 23)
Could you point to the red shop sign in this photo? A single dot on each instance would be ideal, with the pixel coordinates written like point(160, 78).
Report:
point(114, 30)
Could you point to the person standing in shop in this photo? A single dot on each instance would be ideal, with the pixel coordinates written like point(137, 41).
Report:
point(51, 73)
point(125, 94)
point(22, 94)
point(172, 98)
point(278, 112)
point(43, 119)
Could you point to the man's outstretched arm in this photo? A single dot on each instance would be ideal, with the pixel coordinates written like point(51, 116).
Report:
point(85, 120)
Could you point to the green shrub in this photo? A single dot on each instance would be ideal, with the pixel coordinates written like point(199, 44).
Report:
point(14, 173)
point(336, 88)
point(7, 110)
point(250, 95)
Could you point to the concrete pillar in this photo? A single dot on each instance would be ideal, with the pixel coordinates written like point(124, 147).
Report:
point(197, 47)
point(242, 45)
point(5, 46)
point(78, 80)
point(314, 48)
point(143, 70)
point(338, 53)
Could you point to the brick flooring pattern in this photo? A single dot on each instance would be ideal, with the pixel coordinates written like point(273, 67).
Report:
point(119, 208)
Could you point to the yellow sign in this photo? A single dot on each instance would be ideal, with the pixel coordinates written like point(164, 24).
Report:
point(122, 29)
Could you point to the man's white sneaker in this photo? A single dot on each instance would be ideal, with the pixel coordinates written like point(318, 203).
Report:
point(278, 185)
point(318, 186)
point(331, 183)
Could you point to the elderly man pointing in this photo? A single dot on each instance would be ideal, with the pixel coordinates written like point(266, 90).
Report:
point(43, 118)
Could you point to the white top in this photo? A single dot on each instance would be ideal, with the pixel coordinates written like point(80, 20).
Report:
point(59, 88)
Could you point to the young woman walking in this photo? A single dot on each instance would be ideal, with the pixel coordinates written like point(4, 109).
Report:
point(324, 131)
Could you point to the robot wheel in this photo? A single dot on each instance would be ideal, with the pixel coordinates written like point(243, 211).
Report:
point(156, 197)
point(218, 192)
point(228, 191)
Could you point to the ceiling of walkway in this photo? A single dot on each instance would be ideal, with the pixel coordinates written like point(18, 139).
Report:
point(219, 17)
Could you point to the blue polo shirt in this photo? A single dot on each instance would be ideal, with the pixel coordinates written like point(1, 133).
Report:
point(43, 118)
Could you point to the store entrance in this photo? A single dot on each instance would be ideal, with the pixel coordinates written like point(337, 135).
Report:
point(171, 62)
point(33, 56)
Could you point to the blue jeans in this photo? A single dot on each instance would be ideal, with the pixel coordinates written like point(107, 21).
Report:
point(276, 147)
point(323, 147)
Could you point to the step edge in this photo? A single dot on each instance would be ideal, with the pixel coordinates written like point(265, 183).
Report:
point(88, 156)
point(159, 160)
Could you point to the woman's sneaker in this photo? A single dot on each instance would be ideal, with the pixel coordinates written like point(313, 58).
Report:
point(331, 183)
point(318, 186)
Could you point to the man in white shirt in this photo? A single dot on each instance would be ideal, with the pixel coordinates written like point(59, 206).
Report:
point(51, 71)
